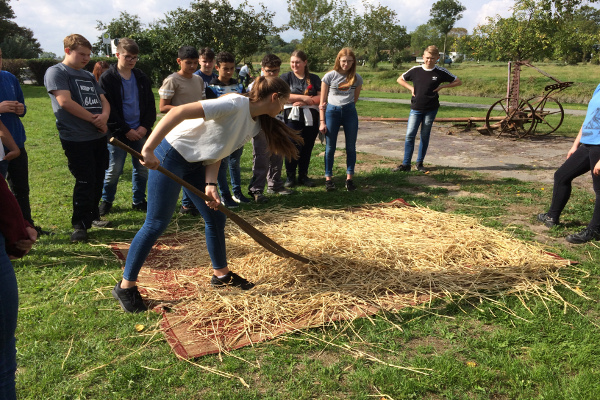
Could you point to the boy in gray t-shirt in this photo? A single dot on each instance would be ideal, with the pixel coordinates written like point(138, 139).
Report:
point(81, 112)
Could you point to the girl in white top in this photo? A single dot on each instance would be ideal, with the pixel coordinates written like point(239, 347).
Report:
point(190, 141)
point(340, 89)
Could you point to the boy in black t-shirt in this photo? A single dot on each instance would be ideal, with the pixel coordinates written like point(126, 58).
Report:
point(427, 82)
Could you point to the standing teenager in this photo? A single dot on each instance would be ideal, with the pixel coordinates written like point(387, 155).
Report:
point(82, 112)
point(190, 141)
point(340, 89)
point(132, 115)
point(584, 156)
point(302, 113)
point(427, 81)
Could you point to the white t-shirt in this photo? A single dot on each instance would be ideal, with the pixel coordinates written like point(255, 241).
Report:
point(227, 125)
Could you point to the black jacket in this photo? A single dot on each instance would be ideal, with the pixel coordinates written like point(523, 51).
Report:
point(110, 81)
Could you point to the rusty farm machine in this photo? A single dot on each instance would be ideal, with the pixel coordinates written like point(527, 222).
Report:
point(513, 115)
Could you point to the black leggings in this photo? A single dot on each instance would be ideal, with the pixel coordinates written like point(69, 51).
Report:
point(581, 161)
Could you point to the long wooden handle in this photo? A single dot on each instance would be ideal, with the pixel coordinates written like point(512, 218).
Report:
point(254, 233)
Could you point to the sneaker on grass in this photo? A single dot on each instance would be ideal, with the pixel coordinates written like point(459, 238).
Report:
point(402, 168)
point(101, 223)
point(104, 207)
point(283, 191)
point(228, 201)
point(129, 299)
point(584, 236)
point(260, 198)
point(329, 185)
point(143, 206)
point(240, 198)
point(547, 220)
point(231, 279)
point(350, 186)
point(305, 181)
point(421, 168)
point(79, 235)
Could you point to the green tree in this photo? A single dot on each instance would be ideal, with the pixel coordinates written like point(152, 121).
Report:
point(380, 33)
point(6, 14)
point(217, 24)
point(126, 25)
point(12, 36)
point(317, 20)
point(425, 35)
point(309, 16)
point(510, 39)
point(48, 54)
point(587, 30)
point(444, 14)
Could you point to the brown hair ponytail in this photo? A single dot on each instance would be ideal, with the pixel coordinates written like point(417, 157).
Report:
point(281, 139)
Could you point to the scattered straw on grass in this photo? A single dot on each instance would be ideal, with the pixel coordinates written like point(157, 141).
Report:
point(364, 260)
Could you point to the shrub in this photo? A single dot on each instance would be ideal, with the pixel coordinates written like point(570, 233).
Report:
point(38, 67)
point(15, 67)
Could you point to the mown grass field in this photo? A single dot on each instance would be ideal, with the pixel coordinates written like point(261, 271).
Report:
point(74, 342)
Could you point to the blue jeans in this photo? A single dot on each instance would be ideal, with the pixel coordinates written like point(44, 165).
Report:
point(115, 169)
point(162, 199)
point(336, 116)
point(9, 305)
point(233, 162)
point(424, 119)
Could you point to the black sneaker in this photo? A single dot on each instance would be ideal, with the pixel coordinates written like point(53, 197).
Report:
point(79, 235)
point(240, 198)
point(143, 206)
point(290, 182)
point(231, 279)
point(329, 185)
point(421, 168)
point(101, 223)
point(584, 236)
point(260, 198)
point(305, 181)
point(104, 207)
point(402, 168)
point(129, 299)
point(228, 201)
point(192, 210)
point(282, 191)
point(350, 186)
point(547, 220)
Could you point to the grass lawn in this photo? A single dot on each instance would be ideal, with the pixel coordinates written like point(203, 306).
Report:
point(74, 342)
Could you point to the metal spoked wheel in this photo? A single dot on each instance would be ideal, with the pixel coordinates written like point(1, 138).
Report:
point(549, 115)
point(510, 117)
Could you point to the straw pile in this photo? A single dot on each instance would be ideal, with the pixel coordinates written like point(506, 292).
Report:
point(363, 260)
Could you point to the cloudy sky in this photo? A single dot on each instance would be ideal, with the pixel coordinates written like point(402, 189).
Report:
point(52, 20)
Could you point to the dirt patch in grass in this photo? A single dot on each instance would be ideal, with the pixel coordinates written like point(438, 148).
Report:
point(525, 215)
point(425, 346)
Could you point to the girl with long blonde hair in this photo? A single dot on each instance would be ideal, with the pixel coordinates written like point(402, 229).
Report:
point(339, 93)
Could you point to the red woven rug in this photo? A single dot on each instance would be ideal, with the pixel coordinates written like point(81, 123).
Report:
point(160, 283)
